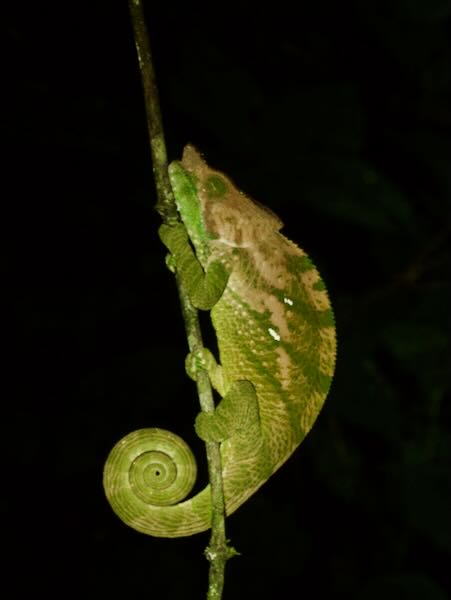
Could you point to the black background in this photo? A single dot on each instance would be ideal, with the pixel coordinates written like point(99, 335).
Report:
point(337, 116)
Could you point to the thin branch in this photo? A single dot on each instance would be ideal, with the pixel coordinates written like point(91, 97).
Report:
point(218, 552)
point(165, 200)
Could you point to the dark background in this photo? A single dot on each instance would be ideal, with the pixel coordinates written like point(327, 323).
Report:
point(337, 116)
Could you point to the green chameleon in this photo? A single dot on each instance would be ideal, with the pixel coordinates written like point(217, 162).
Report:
point(276, 339)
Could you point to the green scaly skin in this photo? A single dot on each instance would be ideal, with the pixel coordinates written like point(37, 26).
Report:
point(276, 340)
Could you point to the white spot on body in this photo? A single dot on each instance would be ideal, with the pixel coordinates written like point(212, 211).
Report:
point(288, 301)
point(274, 334)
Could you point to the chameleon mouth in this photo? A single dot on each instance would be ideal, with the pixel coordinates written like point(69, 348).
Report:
point(233, 243)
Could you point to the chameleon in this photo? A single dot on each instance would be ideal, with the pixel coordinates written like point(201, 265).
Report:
point(277, 346)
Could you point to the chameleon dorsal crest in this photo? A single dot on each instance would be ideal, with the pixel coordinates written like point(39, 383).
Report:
point(276, 339)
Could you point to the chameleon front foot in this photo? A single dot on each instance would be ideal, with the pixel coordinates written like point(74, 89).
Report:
point(236, 414)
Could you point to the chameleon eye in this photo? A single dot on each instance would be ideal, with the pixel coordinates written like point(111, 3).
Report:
point(215, 186)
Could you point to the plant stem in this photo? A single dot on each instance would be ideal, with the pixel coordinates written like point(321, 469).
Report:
point(165, 201)
point(218, 552)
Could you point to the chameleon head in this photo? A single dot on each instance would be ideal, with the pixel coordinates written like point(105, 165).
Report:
point(212, 208)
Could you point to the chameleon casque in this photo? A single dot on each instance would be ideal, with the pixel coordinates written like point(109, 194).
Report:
point(276, 339)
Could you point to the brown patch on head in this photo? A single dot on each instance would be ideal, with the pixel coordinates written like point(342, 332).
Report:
point(192, 160)
point(230, 216)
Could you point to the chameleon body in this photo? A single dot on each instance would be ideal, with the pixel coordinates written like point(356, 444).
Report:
point(276, 340)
